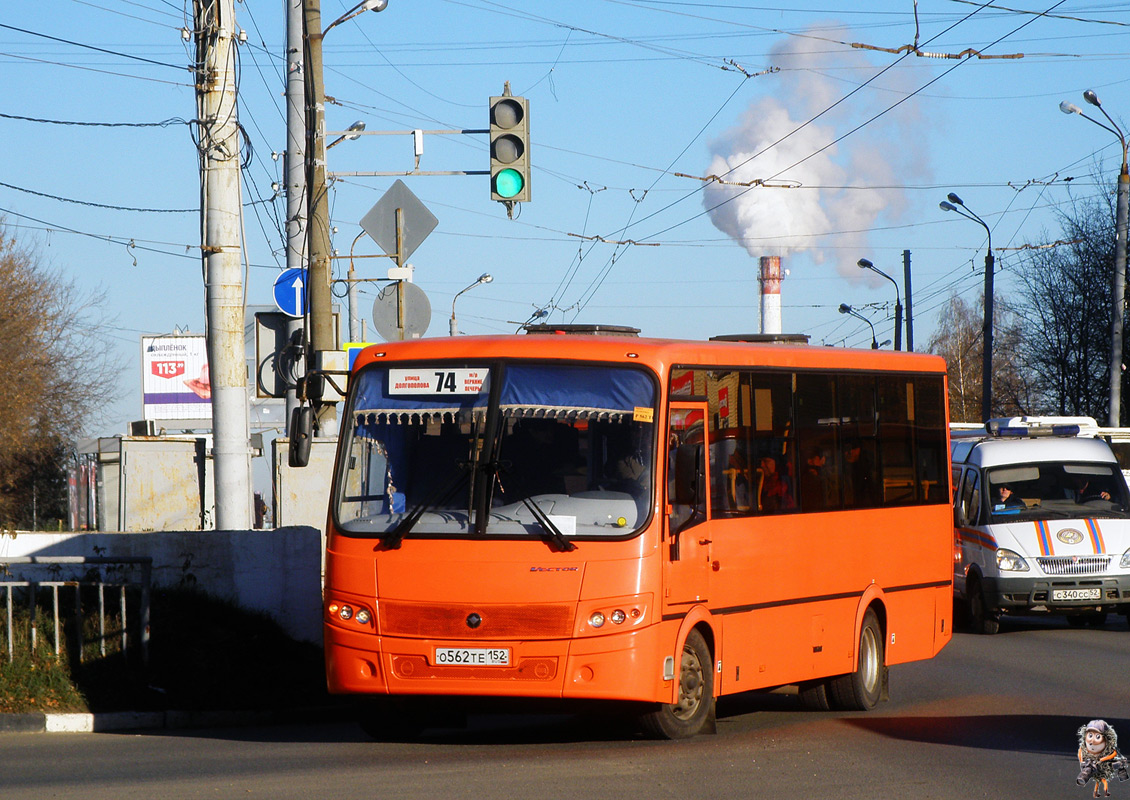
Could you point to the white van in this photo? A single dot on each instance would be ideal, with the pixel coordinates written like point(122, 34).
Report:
point(1041, 521)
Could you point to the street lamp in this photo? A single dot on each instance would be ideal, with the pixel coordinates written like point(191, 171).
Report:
point(1118, 290)
point(863, 263)
point(955, 204)
point(484, 278)
point(358, 126)
point(846, 309)
point(360, 8)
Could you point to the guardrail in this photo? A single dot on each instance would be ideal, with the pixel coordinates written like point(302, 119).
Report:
point(118, 584)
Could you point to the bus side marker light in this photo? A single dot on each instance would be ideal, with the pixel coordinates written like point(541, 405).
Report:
point(669, 668)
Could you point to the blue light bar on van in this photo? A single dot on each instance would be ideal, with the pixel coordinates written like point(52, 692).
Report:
point(1042, 430)
point(1065, 430)
point(1010, 432)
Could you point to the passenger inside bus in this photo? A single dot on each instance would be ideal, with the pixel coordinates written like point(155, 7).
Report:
point(774, 494)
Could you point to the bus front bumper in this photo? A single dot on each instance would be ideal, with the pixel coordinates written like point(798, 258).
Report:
point(626, 666)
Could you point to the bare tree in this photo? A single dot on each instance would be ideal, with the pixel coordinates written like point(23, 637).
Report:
point(1065, 313)
point(958, 339)
point(59, 371)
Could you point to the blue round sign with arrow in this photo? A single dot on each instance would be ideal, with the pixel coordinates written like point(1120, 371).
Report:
point(290, 291)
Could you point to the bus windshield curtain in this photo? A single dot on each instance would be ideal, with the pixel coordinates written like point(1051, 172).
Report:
point(550, 391)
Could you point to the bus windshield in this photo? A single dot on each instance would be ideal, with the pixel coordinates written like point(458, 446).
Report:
point(1056, 490)
point(502, 449)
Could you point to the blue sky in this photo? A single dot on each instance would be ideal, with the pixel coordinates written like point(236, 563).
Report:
point(849, 148)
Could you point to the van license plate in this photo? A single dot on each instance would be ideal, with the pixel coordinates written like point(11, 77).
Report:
point(1076, 594)
point(473, 656)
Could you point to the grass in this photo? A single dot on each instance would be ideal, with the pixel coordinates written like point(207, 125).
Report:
point(204, 654)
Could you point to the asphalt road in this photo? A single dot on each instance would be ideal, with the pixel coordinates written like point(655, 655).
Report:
point(991, 717)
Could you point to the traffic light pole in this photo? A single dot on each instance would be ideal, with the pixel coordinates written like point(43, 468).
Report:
point(295, 178)
point(320, 302)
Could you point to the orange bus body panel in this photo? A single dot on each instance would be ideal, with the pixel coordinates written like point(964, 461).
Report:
point(776, 608)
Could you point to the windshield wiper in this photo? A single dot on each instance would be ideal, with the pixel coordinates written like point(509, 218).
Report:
point(394, 537)
point(552, 532)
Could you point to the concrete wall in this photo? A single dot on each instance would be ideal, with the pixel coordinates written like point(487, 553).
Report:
point(274, 571)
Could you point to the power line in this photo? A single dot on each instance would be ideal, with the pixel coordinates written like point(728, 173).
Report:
point(92, 47)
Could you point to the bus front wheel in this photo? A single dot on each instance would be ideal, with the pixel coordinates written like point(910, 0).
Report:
point(861, 690)
point(693, 712)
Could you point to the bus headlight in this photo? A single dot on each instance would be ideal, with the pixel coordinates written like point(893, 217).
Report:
point(1008, 561)
point(597, 619)
point(1125, 562)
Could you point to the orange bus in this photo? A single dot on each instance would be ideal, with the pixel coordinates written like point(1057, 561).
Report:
point(625, 519)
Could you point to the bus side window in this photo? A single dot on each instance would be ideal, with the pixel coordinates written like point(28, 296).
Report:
point(688, 489)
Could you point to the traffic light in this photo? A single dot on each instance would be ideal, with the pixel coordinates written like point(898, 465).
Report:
point(509, 149)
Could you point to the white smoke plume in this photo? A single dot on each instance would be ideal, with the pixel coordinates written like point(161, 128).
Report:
point(835, 196)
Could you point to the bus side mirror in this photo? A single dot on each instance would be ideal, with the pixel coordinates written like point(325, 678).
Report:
point(688, 469)
point(301, 436)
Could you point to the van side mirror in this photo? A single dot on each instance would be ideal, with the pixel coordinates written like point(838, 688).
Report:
point(301, 436)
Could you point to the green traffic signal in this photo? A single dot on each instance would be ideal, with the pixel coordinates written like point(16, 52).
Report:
point(509, 149)
point(508, 183)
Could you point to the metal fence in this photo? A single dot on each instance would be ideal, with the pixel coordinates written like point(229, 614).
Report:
point(132, 573)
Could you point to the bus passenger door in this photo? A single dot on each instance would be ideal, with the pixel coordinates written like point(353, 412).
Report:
point(687, 537)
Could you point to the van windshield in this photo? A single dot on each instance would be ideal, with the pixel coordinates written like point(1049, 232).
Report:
point(1055, 490)
point(516, 449)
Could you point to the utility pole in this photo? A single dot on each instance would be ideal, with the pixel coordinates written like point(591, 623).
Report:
point(1114, 414)
point(909, 304)
point(295, 179)
point(320, 302)
point(221, 209)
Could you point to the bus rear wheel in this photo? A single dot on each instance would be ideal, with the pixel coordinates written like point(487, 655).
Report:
point(862, 689)
point(693, 712)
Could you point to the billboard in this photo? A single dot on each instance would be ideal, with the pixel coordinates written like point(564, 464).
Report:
point(174, 378)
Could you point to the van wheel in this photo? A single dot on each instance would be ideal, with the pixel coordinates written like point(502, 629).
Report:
point(693, 713)
point(981, 620)
point(860, 690)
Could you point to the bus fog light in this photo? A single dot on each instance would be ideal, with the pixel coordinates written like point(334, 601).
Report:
point(346, 612)
point(597, 619)
point(618, 617)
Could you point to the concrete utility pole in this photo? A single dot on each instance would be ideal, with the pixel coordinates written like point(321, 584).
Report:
point(295, 172)
point(221, 209)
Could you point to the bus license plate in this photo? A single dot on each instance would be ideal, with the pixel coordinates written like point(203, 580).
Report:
point(1076, 594)
point(473, 656)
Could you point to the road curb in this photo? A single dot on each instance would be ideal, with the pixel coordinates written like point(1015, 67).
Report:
point(22, 723)
point(107, 722)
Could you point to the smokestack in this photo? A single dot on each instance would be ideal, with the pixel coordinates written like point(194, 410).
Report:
point(770, 278)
